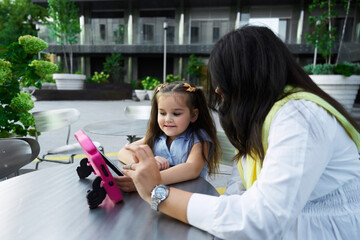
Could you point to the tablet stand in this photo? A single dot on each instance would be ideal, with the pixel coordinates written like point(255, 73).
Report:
point(104, 183)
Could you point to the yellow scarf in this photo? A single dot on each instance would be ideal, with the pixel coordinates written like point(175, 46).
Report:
point(253, 166)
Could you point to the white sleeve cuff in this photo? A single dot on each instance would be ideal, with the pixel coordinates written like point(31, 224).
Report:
point(199, 214)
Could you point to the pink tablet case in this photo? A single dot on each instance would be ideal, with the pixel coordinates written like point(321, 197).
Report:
point(100, 168)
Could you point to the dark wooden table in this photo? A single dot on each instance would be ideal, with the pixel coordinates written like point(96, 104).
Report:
point(51, 204)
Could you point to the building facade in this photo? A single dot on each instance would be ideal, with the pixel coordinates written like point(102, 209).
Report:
point(137, 30)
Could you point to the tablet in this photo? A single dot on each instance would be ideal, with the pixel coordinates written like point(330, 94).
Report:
point(99, 163)
point(111, 165)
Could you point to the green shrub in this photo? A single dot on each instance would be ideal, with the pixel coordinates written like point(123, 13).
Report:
point(171, 78)
point(31, 44)
point(136, 84)
point(149, 83)
point(346, 69)
point(19, 66)
point(100, 77)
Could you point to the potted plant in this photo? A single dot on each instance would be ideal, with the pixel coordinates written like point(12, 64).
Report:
point(65, 26)
point(97, 81)
point(114, 66)
point(173, 78)
point(19, 67)
point(340, 80)
point(139, 90)
point(194, 68)
point(149, 84)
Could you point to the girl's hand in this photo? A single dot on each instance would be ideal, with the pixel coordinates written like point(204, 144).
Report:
point(162, 163)
point(125, 183)
point(144, 172)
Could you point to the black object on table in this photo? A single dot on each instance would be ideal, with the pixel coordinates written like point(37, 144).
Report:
point(51, 204)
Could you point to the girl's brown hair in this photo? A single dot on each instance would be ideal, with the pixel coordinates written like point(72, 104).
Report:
point(195, 100)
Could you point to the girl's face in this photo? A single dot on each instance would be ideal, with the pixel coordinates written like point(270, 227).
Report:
point(174, 116)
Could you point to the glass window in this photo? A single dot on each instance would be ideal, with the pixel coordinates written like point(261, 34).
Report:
point(170, 34)
point(278, 25)
point(102, 32)
point(106, 31)
point(216, 34)
point(118, 32)
point(148, 32)
point(194, 35)
point(208, 31)
point(339, 24)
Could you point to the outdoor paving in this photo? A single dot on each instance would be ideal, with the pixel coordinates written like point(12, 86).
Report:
point(96, 111)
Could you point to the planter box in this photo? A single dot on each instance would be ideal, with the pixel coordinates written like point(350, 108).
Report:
point(108, 86)
point(86, 94)
point(66, 81)
point(343, 89)
point(141, 94)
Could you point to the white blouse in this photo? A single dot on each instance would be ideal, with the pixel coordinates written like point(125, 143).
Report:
point(309, 186)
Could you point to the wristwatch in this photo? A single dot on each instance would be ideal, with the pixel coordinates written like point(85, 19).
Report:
point(159, 194)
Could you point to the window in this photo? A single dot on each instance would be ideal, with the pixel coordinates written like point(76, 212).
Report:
point(118, 32)
point(280, 26)
point(216, 34)
point(148, 32)
point(102, 31)
point(194, 35)
point(170, 34)
point(339, 24)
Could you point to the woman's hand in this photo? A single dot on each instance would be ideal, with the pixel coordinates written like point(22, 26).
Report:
point(125, 183)
point(144, 172)
point(162, 163)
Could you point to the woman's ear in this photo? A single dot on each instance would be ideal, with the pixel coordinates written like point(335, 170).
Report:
point(195, 114)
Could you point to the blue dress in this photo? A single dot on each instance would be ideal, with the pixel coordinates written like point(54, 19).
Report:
point(180, 148)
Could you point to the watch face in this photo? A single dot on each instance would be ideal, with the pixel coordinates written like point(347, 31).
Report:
point(160, 192)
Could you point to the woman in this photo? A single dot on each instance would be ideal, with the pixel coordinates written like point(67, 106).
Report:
point(297, 171)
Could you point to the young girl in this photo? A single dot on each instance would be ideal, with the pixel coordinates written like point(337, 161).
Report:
point(181, 134)
point(297, 174)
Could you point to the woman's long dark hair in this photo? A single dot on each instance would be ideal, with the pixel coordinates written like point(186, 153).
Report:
point(251, 67)
point(195, 99)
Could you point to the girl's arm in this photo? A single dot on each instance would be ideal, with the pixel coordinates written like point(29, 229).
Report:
point(146, 176)
point(272, 204)
point(125, 156)
point(190, 169)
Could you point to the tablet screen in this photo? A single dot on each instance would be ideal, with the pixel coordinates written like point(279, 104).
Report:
point(111, 165)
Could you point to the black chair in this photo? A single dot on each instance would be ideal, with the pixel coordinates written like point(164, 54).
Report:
point(16, 153)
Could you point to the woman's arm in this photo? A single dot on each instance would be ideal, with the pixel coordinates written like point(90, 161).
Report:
point(190, 169)
point(125, 156)
point(273, 203)
point(146, 175)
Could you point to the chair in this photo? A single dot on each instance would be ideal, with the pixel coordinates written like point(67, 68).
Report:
point(16, 153)
point(50, 120)
point(228, 150)
point(138, 112)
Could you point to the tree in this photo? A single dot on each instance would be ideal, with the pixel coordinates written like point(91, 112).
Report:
point(323, 37)
point(18, 18)
point(194, 67)
point(347, 10)
point(65, 26)
point(114, 66)
point(19, 67)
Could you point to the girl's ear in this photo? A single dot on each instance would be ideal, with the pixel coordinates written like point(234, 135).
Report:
point(195, 114)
